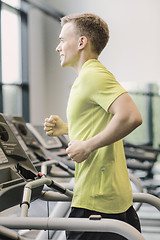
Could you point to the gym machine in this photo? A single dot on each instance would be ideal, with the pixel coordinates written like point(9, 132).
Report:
point(21, 183)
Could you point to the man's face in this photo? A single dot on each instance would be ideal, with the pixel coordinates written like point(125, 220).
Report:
point(68, 46)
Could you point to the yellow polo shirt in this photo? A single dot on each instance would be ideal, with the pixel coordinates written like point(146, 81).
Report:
point(101, 182)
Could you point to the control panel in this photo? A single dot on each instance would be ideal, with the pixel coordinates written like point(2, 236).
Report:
point(16, 167)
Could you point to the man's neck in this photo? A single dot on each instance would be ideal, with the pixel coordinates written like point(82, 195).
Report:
point(82, 60)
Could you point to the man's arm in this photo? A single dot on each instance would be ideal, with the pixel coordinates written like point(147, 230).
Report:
point(126, 118)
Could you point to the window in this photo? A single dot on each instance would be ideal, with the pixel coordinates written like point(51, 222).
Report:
point(147, 98)
point(14, 89)
point(13, 3)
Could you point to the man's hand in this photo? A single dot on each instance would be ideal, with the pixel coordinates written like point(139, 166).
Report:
point(54, 126)
point(78, 151)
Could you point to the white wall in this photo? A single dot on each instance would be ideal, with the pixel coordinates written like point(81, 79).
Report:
point(49, 83)
point(37, 74)
point(132, 54)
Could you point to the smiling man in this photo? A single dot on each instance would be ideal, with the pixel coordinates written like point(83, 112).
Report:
point(100, 114)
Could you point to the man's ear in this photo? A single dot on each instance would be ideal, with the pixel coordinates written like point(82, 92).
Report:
point(82, 42)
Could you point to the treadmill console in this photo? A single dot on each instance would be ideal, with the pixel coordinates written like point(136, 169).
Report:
point(16, 167)
point(32, 146)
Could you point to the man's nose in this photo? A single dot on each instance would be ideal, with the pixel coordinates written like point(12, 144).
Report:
point(58, 48)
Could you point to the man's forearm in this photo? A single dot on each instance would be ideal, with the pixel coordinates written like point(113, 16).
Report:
point(115, 130)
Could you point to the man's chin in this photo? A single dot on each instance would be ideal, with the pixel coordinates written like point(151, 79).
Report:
point(63, 64)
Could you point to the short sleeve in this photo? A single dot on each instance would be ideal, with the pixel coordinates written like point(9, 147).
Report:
point(105, 91)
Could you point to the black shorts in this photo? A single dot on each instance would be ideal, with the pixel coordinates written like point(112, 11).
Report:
point(130, 217)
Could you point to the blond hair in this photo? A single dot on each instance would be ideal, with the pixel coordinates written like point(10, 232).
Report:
point(91, 26)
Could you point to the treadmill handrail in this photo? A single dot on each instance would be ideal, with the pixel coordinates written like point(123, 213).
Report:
point(10, 234)
point(37, 183)
point(73, 224)
point(147, 198)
